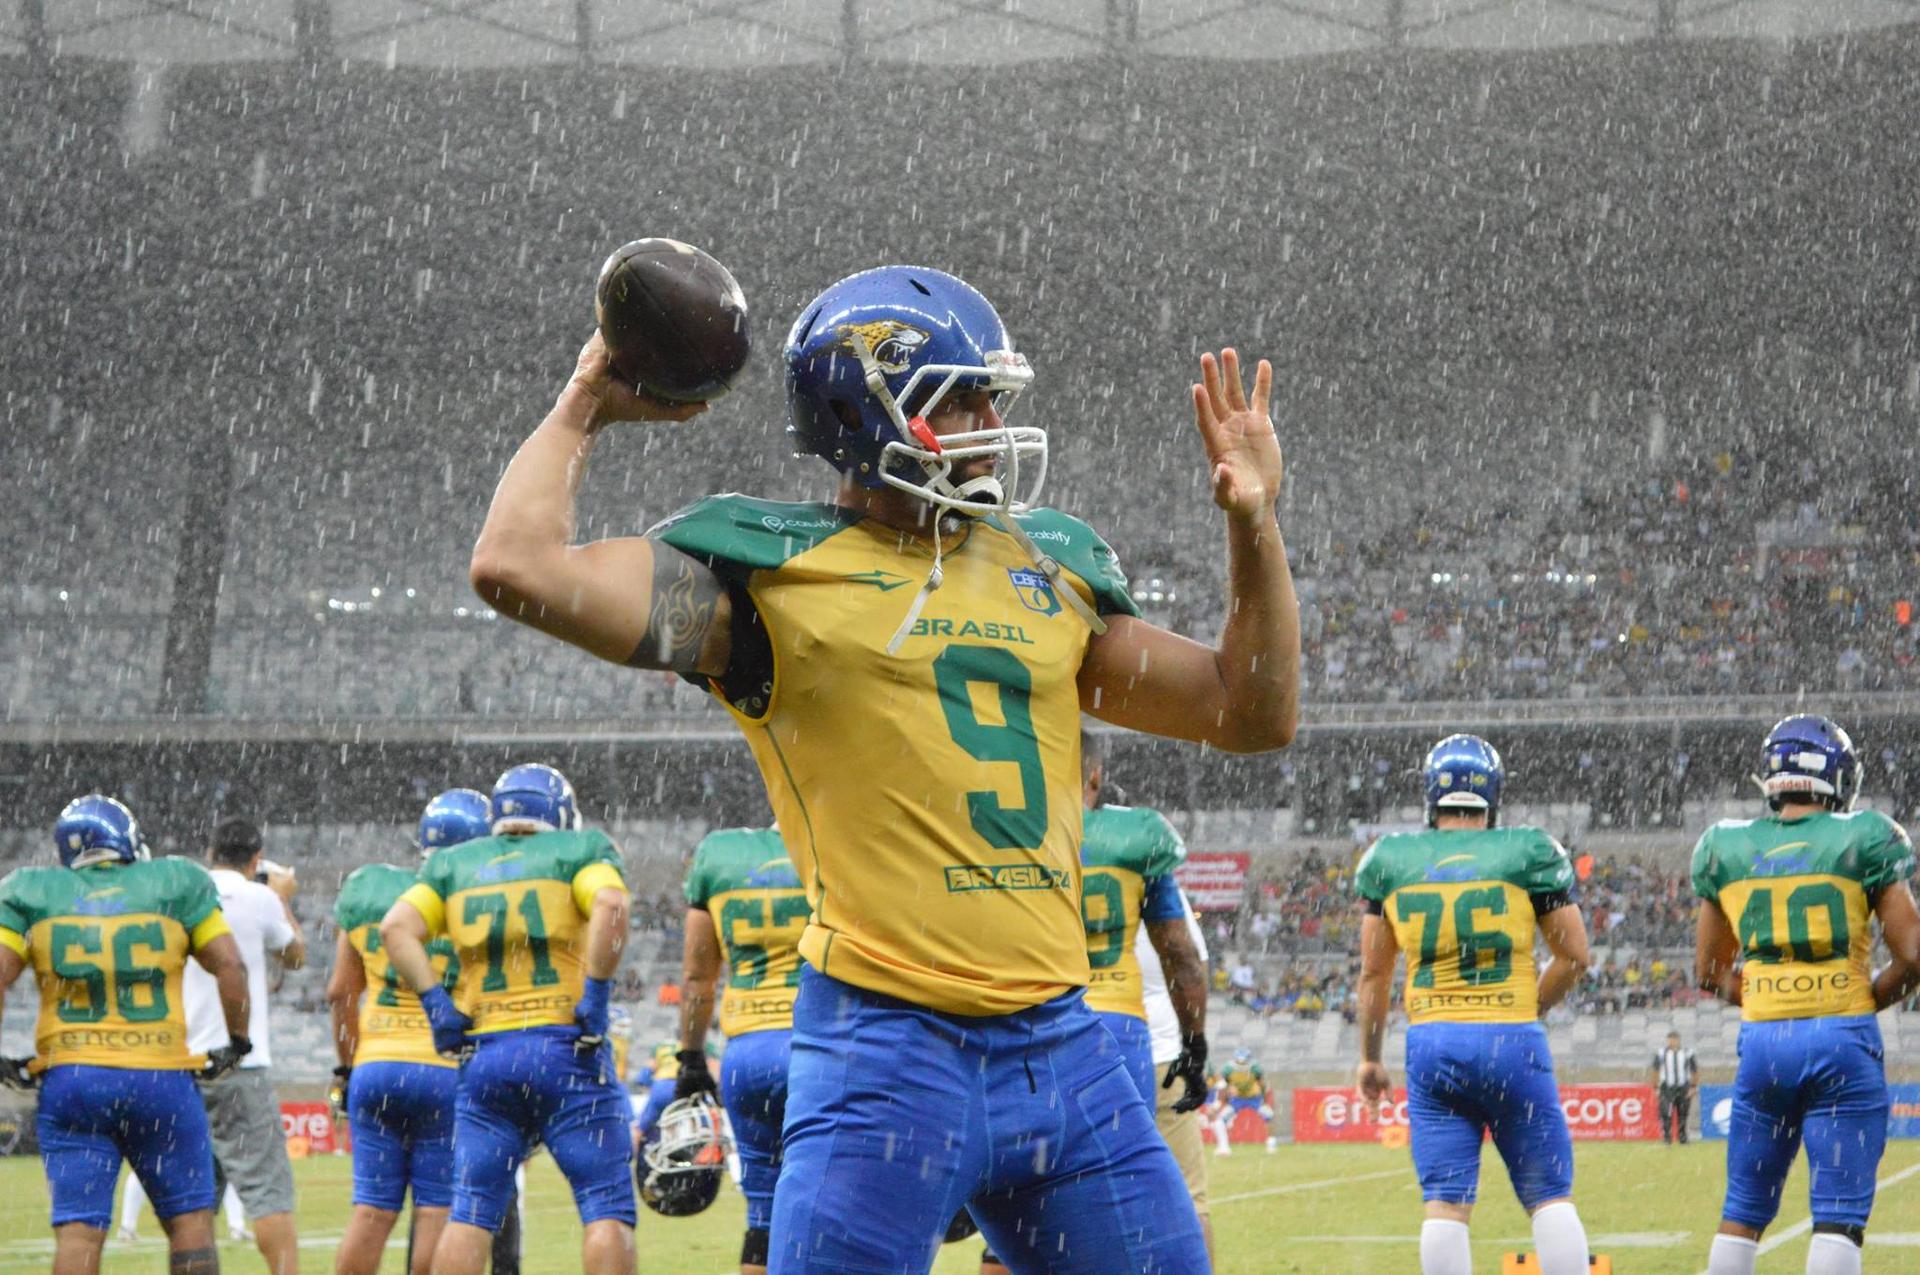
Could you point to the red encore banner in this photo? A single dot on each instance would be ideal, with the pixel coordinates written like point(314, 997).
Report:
point(312, 1124)
point(1595, 1113)
point(1214, 880)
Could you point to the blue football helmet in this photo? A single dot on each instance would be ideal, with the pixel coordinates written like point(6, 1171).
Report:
point(532, 798)
point(97, 829)
point(1809, 756)
point(1463, 772)
point(869, 359)
point(456, 815)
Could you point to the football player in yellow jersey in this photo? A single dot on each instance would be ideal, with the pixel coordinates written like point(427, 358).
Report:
point(108, 933)
point(1785, 932)
point(1464, 900)
point(396, 1088)
point(909, 662)
point(538, 916)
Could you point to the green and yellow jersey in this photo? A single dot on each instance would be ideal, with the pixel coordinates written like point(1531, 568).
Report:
point(393, 1027)
point(1462, 904)
point(1243, 1080)
point(1800, 894)
point(930, 799)
point(743, 878)
point(516, 909)
point(107, 945)
point(1127, 856)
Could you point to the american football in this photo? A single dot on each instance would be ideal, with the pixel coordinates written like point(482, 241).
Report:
point(674, 320)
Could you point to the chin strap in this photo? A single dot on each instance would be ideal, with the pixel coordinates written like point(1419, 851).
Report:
point(1062, 588)
point(934, 579)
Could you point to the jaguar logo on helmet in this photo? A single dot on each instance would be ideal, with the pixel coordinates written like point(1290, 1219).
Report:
point(892, 343)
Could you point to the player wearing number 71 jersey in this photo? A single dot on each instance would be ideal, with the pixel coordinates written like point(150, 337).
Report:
point(1463, 900)
point(1795, 893)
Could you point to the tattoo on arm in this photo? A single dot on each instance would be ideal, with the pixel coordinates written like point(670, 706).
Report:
point(686, 597)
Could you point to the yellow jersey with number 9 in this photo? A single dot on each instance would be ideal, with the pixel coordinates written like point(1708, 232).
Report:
point(1462, 904)
point(108, 944)
point(516, 908)
point(930, 797)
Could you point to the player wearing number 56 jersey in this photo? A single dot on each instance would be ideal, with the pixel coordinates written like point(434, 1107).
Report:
point(745, 913)
point(108, 934)
point(909, 663)
point(398, 1090)
point(1785, 932)
point(1463, 901)
point(538, 914)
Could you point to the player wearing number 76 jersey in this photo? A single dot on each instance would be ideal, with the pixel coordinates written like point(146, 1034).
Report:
point(538, 915)
point(1795, 894)
point(1463, 900)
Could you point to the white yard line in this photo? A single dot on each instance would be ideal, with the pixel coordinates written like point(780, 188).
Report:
point(1629, 1239)
point(1805, 1224)
point(1292, 1187)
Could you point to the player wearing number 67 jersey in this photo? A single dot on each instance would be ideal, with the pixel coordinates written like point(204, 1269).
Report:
point(745, 912)
point(108, 933)
point(1463, 900)
point(538, 915)
point(397, 1089)
point(1785, 932)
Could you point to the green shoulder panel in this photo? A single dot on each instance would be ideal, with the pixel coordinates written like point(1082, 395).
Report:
point(1710, 869)
point(735, 534)
point(736, 859)
point(1080, 550)
point(1369, 877)
point(26, 894)
point(1397, 859)
point(187, 888)
point(1135, 838)
point(1881, 850)
point(368, 892)
point(584, 848)
point(1542, 865)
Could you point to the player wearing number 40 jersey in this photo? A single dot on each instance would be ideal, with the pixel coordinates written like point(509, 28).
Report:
point(398, 1091)
point(108, 933)
point(537, 913)
point(1463, 901)
point(1785, 932)
point(909, 663)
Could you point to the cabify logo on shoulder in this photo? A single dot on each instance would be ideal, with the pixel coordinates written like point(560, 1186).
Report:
point(1034, 590)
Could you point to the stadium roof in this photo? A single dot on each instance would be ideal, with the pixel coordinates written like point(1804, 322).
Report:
point(737, 33)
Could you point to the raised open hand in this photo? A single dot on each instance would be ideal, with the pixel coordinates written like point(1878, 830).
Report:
point(1242, 450)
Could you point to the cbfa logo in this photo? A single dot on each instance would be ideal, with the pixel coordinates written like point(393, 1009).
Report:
point(1035, 590)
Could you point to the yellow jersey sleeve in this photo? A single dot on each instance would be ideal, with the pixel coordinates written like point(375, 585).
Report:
point(14, 941)
point(592, 879)
point(431, 907)
point(209, 929)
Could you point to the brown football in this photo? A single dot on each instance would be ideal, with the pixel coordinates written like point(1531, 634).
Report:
point(674, 320)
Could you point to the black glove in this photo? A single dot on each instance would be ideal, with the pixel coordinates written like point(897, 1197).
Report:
point(224, 1059)
point(694, 1076)
point(1190, 1066)
point(17, 1073)
point(337, 1091)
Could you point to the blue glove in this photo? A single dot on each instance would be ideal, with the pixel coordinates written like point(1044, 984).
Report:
point(450, 1026)
point(591, 1013)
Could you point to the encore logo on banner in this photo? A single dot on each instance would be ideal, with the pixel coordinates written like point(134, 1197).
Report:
point(1595, 1113)
point(310, 1129)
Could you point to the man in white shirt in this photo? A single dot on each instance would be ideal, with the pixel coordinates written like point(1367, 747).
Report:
point(243, 1111)
point(1180, 1129)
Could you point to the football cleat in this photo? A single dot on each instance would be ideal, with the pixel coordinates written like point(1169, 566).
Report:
point(1463, 772)
point(1809, 756)
point(456, 815)
point(533, 798)
point(680, 1173)
point(97, 829)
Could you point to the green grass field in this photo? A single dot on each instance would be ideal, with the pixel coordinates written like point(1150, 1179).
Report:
point(1331, 1210)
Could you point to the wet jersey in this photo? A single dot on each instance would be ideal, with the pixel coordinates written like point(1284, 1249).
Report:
point(516, 909)
point(1800, 894)
point(1127, 856)
point(107, 945)
point(393, 1027)
point(1244, 1080)
point(742, 877)
point(1462, 903)
point(930, 799)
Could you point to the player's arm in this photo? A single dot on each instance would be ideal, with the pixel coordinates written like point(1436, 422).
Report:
point(1242, 695)
point(1378, 953)
point(628, 600)
point(289, 943)
point(220, 957)
point(1185, 972)
point(404, 934)
point(1716, 952)
point(1900, 927)
point(1565, 932)
point(344, 987)
point(607, 920)
point(700, 964)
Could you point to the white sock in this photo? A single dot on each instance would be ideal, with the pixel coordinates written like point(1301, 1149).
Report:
point(1444, 1249)
point(1732, 1255)
point(1559, 1240)
point(236, 1216)
point(1831, 1254)
point(133, 1198)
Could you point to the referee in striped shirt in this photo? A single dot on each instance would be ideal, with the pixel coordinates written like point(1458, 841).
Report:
point(1677, 1075)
